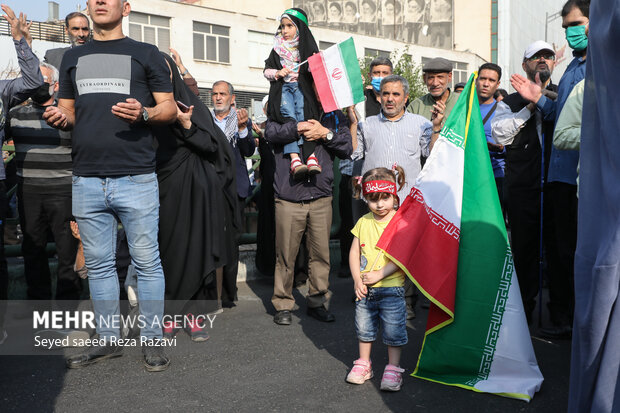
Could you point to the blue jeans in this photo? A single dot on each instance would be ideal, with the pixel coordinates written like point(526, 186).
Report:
point(134, 199)
point(385, 305)
point(292, 106)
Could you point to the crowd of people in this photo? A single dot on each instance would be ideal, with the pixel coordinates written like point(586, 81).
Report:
point(145, 152)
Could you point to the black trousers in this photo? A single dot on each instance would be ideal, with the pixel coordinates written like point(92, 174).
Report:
point(345, 209)
point(4, 273)
point(523, 208)
point(39, 214)
point(560, 248)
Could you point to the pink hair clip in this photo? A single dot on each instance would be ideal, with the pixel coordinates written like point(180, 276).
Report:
point(359, 180)
point(394, 165)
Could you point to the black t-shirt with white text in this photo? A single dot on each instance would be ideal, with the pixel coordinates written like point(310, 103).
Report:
point(98, 75)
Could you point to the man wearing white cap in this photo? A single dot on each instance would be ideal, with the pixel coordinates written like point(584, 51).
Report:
point(561, 190)
point(521, 127)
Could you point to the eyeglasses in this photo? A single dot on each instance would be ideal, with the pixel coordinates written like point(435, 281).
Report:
point(538, 56)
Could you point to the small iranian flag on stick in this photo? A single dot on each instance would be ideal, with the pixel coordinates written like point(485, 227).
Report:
point(449, 237)
point(337, 76)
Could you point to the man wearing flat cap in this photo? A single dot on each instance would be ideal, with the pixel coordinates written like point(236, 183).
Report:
point(437, 75)
point(527, 133)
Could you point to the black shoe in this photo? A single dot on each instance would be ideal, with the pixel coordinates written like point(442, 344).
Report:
point(283, 318)
point(321, 314)
point(564, 332)
point(154, 358)
point(94, 354)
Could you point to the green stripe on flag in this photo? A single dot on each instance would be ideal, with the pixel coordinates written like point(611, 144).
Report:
point(461, 353)
point(352, 69)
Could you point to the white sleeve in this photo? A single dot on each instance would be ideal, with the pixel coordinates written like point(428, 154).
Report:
point(506, 124)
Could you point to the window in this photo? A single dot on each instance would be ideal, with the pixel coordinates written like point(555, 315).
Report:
point(211, 42)
point(324, 45)
point(151, 29)
point(376, 53)
point(259, 48)
point(459, 71)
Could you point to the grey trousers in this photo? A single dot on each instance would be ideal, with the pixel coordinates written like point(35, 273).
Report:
point(292, 220)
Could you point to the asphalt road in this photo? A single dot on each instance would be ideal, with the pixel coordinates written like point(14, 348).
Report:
point(251, 364)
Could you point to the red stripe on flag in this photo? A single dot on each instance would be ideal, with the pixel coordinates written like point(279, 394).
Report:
point(321, 80)
point(428, 250)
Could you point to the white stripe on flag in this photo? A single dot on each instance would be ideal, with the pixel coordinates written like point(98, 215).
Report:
point(445, 165)
point(336, 73)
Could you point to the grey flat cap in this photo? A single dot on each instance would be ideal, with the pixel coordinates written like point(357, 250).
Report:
point(437, 65)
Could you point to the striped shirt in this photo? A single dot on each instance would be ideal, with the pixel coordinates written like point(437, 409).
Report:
point(42, 153)
point(381, 143)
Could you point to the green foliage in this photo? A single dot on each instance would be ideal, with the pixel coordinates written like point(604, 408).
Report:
point(404, 66)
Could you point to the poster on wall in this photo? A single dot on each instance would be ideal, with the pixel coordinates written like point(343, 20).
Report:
point(420, 22)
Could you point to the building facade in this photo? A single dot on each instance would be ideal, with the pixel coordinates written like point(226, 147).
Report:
point(231, 40)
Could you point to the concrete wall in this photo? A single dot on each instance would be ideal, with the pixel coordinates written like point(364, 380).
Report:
point(472, 27)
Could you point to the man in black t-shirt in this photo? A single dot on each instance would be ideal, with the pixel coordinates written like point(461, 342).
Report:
point(111, 90)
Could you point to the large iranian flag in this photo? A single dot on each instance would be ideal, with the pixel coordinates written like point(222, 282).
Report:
point(337, 76)
point(449, 237)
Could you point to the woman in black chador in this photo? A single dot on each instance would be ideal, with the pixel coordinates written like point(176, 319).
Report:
point(198, 208)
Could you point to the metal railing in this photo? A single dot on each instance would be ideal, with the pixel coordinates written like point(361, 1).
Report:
point(52, 32)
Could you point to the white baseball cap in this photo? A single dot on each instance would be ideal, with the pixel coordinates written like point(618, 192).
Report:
point(536, 47)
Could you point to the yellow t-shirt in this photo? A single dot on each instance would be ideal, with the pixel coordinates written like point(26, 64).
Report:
point(369, 230)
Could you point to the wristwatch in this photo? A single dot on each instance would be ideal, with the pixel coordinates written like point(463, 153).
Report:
point(329, 136)
point(145, 114)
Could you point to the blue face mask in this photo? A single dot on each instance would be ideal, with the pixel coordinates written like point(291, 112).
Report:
point(376, 83)
point(576, 37)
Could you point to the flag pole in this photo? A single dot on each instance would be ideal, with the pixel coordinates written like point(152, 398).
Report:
point(299, 64)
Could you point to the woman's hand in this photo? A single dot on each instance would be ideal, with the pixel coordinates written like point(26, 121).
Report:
point(185, 118)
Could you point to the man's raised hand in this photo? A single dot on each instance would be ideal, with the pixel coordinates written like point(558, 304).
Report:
point(527, 89)
point(242, 119)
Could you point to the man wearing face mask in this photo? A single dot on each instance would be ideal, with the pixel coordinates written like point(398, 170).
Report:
point(524, 131)
point(43, 156)
point(562, 176)
point(77, 28)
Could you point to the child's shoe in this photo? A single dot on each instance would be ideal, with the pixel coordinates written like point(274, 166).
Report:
point(361, 371)
point(170, 330)
point(194, 330)
point(392, 378)
point(313, 165)
point(298, 169)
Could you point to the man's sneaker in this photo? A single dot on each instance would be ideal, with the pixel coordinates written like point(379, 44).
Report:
point(155, 358)
point(392, 378)
point(313, 165)
point(196, 329)
point(361, 371)
point(298, 168)
point(94, 354)
point(63, 338)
